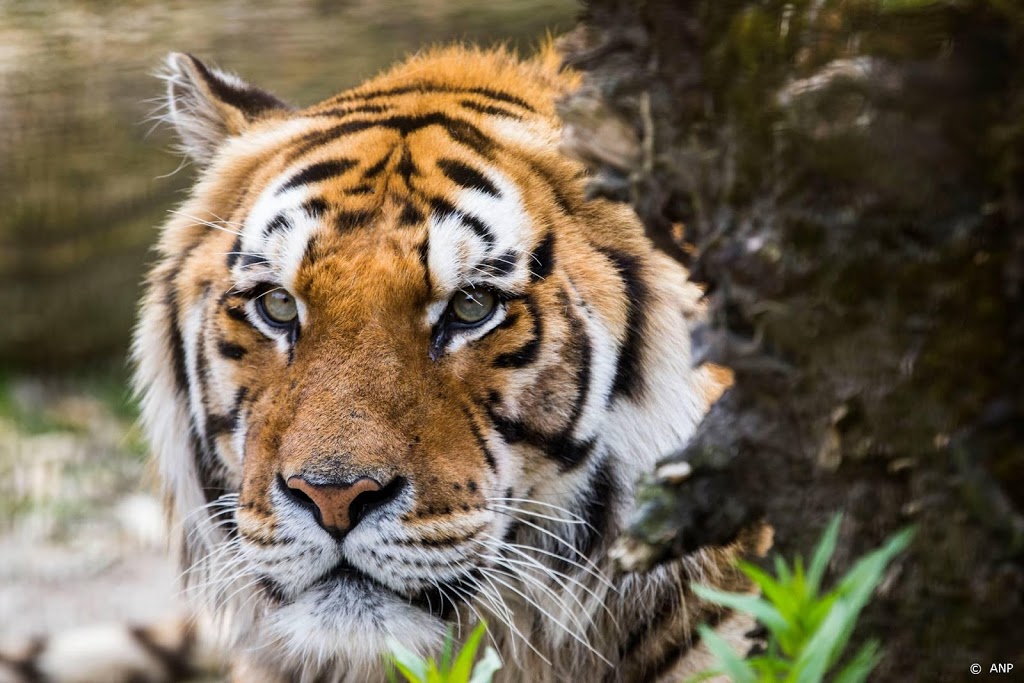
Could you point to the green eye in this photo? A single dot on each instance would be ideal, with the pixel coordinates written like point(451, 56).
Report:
point(473, 305)
point(278, 308)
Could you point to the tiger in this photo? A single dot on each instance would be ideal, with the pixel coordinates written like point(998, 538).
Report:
point(400, 375)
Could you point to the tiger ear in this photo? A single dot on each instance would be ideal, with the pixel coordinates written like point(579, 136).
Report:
point(207, 106)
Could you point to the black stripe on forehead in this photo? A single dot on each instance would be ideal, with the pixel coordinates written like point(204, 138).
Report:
point(356, 109)
point(444, 208)
point(315, 207)
point(459, 130)
point(376, 169)
point(500, 265)
point(466, 176)
point(279, 222)
point(425, 88)
point(406, 167)
point(410, 215)
point(318, 172)
point(490, 110)
point(346, 221)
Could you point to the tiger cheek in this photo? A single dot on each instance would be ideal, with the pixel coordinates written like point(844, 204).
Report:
point(259, 461)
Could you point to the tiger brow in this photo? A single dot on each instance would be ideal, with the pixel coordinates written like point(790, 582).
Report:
point(318, 172)
point(418, 88)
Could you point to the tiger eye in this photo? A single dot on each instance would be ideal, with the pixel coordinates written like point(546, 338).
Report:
point(278, 307)
point(473, 305)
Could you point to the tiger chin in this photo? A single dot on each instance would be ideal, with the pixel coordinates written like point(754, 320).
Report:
point(399, 375)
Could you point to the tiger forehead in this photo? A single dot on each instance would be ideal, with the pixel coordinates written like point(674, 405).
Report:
point(401, 141)
point(380, 184)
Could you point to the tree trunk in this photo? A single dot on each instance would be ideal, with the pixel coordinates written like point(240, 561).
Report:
point(847, 178)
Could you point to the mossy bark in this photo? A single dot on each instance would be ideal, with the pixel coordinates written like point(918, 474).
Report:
point(847, 177)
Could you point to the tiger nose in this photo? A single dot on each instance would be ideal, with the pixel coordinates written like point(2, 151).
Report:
point(338, 507)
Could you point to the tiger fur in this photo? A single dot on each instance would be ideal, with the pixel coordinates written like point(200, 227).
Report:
point(496, 459)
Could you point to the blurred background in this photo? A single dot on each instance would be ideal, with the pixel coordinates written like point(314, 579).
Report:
point(85, 179)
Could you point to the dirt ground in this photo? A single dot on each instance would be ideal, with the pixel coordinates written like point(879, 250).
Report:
point(82, 537)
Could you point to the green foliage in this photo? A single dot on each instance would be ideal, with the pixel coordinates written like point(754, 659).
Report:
point(808, 628)
point(453, 667)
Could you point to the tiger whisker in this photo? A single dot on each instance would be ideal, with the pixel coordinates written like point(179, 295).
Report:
point(509, 508)
point(224, 221)
point(208, 224)
point(502, 563)
point(213, 586)
point(533, 603)
point(507, 562)
point(508, 619)
point(548, 570)
point(468, 601)
point(225, 499)
point(445, 594)
point(184, 162)
point(531, 501)
point(197, 566)
point(224, 602)
point(212, 523)
point(570, 547)
point(594, 572)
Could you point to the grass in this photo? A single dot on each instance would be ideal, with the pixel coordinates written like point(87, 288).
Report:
point(460, 666)
point(808, 628)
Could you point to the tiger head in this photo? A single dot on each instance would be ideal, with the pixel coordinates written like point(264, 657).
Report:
point(396, 370)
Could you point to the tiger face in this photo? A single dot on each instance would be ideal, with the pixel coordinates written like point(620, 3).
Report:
point(397, 372)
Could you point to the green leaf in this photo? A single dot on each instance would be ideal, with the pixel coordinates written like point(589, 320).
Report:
point(447, 651)
point(485, 669)
point(732, 666)
point(818, 653)
point(808, 632)
point(412, 666)
point(460, 671)
point(769, 668)
point(785, 602)
point(826, 646)
point(822, 554)
point(814, 613)
point(750, 604)
point(434, 675)
point(859, 583)
point(782, 570)
point(861, 665)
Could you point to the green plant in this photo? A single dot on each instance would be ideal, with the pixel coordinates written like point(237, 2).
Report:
point(808, 630)
point(453, 668)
